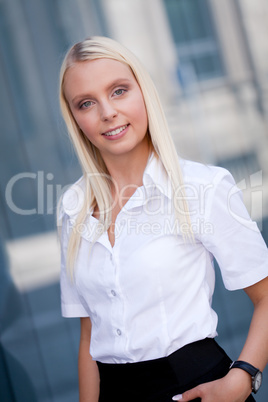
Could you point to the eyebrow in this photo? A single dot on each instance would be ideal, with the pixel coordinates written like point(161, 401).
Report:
point(119, 81)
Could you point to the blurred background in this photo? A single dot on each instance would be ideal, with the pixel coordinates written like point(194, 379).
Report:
point(209, 60)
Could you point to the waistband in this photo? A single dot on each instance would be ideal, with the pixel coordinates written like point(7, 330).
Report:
point(199, 357)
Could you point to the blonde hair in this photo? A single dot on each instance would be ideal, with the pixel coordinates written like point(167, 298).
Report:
point(97, 181)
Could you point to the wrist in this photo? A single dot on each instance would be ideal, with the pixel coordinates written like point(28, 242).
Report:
point(255, 373)
point(241, 381)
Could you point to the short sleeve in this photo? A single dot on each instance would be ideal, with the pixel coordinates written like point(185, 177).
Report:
point(71, 305)
point(234, 239)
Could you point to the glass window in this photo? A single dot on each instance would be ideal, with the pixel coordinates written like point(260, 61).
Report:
point(194, 36)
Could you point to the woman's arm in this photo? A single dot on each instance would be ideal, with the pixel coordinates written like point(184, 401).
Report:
point(236, 385)
point(87, 368)
point(256, 347)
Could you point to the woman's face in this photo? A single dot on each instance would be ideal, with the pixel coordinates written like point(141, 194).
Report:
point(107, 104)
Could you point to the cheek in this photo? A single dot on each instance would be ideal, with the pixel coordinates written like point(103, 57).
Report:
point(143, 118)
point(140, 112)
point(86, 124)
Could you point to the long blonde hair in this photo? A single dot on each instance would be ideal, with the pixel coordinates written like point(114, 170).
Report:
point(97, 181)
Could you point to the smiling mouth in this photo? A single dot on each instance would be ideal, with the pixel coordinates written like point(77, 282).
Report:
point(116, 131)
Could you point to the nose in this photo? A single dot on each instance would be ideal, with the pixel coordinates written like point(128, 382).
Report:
point(108, 111)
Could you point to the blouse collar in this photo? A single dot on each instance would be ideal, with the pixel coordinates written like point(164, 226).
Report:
point(155, 180)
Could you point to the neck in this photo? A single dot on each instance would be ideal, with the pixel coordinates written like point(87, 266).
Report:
point(127, 170)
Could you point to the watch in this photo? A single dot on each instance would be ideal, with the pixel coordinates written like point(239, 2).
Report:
point(255, 373)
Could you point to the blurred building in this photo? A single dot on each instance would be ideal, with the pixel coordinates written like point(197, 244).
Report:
point(209, 60)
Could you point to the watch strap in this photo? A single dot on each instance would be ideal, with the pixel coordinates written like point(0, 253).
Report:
point(245, 366)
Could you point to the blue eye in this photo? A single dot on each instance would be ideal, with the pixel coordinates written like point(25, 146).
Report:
point(85, 105)
point(119, 92)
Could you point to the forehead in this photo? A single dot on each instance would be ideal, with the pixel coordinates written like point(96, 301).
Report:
point(95, 73)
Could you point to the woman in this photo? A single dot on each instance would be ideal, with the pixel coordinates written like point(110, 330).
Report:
point(139, 232)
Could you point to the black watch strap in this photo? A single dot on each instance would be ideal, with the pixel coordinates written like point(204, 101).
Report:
point(245, 366)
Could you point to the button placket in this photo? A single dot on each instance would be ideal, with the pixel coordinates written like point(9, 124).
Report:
point(116, 299)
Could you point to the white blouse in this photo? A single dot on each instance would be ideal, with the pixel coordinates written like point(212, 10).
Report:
point(151, 293)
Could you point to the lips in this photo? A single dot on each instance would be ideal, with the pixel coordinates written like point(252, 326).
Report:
point(115, 131)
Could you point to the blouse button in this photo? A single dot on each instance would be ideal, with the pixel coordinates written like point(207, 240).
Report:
point(113, 292)
point(118, 332)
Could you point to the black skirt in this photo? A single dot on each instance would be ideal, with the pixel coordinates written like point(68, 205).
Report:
point(160, 379)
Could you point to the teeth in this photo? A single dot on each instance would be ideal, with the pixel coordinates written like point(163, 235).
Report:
point(117, 131)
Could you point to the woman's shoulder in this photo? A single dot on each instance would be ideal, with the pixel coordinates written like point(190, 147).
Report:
point(209, 189)
point(201, 173)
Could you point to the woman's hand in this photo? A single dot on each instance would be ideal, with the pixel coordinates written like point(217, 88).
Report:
point(234, 387)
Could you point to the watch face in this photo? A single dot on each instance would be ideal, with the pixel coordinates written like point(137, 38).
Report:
point(257, 381)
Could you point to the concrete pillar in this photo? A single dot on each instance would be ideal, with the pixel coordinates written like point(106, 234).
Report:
point(231, 41)
point(255, 18)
